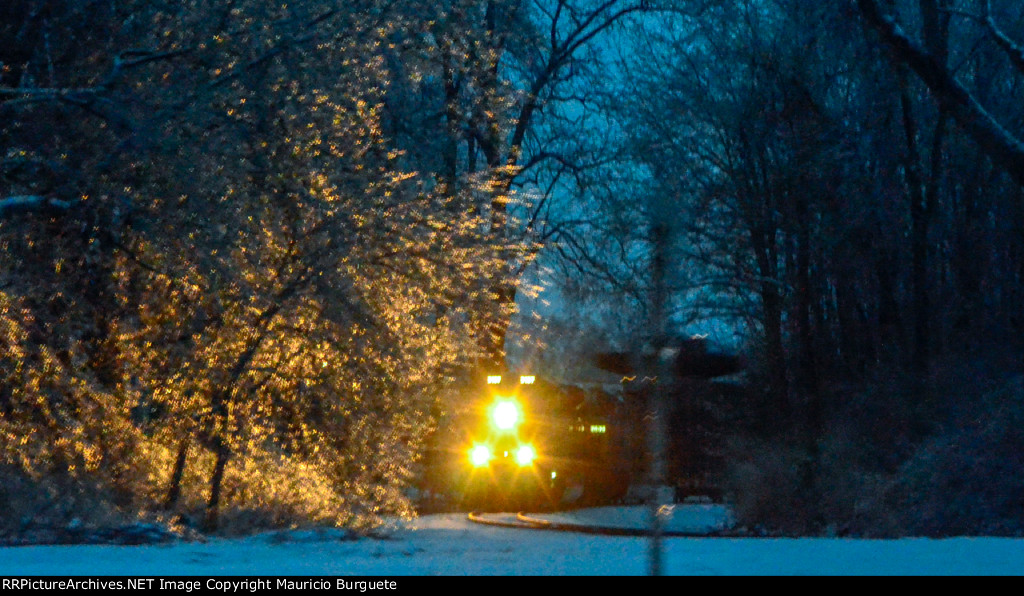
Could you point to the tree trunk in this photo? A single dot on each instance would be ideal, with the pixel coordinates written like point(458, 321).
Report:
point(496, 331)
point(805, 298)
point(453, 124)
point(890, 340)
point(919, 222)
point(808, 368)
point(775, 352)
point(771, 319)
point(174, 492)
point(216, 482)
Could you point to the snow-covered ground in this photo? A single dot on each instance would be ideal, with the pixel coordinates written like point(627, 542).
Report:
point(450, 545)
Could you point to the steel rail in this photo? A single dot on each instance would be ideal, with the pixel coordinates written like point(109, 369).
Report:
point(526, 522)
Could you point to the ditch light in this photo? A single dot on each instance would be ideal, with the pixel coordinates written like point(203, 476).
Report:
point(525, 455)
point(480, 455)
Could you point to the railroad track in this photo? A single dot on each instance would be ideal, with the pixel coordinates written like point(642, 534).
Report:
point(523, 521)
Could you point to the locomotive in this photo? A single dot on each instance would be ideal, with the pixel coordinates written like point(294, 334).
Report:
point(527, 443)
point(532, 444)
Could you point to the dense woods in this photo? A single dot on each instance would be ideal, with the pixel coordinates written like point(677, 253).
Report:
point(841, 184)
point(251, 250)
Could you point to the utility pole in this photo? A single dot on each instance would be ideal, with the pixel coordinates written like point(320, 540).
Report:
point(667, 362)
point(658, 362)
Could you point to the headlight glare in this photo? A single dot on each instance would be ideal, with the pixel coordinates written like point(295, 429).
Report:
point(525, 455)
point(480, 455)
point(506, 415)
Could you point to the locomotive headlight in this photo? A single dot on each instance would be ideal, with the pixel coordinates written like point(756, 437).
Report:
point(506, 415)
point(525, 455)
point(480, 455)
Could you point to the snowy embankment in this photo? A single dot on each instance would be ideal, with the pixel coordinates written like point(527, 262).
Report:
point(450, 545)
point(696, 518)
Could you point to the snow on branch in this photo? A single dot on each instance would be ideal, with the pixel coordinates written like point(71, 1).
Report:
point(1012, 49)
point(995, 141)
point(28, 202)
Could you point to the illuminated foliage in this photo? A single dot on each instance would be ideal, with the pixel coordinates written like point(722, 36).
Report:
point(250, 246)
point(253, 302)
